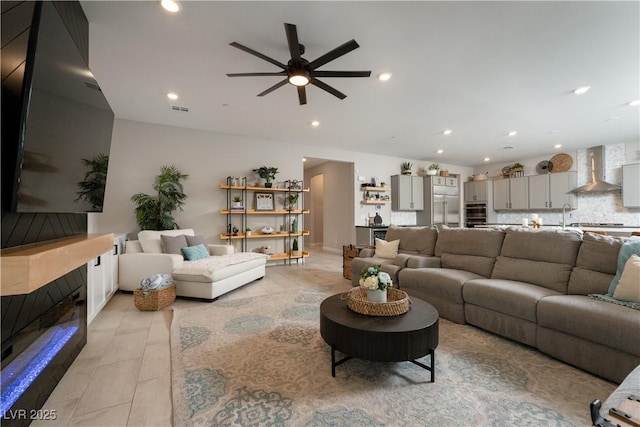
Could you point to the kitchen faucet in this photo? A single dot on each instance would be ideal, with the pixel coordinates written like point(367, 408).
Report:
point(564, 218)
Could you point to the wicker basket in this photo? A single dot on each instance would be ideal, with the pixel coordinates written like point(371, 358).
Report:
point(397, 302)
point(155, 299)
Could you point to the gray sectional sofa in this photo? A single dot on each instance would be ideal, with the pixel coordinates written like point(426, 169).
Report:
point(528, 285)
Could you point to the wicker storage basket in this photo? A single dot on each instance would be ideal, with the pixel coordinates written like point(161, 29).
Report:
point(397, 302)
point(155, 299)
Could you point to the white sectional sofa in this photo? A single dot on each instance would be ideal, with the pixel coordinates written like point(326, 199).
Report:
point(206, 278)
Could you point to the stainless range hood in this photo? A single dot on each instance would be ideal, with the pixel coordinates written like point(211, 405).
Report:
point(595, 157)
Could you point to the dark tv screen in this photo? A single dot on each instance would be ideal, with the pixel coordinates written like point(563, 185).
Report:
point(68, 123)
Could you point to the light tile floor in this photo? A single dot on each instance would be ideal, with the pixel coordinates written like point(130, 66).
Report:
point(122, 377)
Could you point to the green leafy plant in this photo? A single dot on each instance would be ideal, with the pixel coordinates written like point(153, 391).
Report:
point(434, 166)
point(237, 199)
point(295, 247)
point(154, 212)
point(406, 166)
point(267, 173)
point(517, 166)
point(95, 180)
point(292, 199)
point(248, 229)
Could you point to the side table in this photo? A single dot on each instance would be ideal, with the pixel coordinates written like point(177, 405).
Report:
point(349, 252)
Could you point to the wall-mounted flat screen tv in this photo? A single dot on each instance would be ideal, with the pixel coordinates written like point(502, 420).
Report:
point(66, 130)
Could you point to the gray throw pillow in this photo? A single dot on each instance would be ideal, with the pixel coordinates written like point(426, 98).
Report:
point(196, 240)
point(173, 244)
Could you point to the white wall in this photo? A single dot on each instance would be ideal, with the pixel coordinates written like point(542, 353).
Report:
point(138, 150)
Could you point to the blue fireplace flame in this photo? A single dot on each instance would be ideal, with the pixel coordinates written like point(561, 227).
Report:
point(16, 378)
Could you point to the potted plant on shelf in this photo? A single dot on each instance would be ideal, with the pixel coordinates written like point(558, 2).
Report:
point(292, 199)
point(433, 169)
point(247, 232)
point(282, 230)
point(154, 212)
point(236, 202)
point(267, 173)
point(295, 249)
point(406, 168)
point(518, 167)
point(382, 184)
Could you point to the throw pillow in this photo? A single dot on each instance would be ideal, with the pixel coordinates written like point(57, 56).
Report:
point(628, 288)
point(195, 240)
point(173, 244)
point(386, 249)
point(193, 253)
point(151, 246)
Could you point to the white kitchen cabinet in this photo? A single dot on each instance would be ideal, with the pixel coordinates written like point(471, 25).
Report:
point(102, 278)
point(407, 193)
point(476, 191)
point(552, 191)
point(631, 185)
point(512, 193)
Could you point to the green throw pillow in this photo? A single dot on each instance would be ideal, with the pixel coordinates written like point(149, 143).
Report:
point(192, 253)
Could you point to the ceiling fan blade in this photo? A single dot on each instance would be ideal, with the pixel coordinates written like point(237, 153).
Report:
point(258, 54)
point(318, 73)
point(331, 90)
point(274, 87)
point(333, 54)
point(292, 40)
point(302, 95)
point(282, 73)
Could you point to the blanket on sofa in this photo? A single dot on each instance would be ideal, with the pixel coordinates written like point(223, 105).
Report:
point(205, 267)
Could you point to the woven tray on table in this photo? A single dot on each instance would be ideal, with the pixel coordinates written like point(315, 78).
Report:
point(397, 302)
point(154, 299)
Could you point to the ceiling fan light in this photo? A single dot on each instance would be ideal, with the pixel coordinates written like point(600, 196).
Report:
point(298, 79)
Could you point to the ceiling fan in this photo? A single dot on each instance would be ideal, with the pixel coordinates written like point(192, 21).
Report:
point(300, 72)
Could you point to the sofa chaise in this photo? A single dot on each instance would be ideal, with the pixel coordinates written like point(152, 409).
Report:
point(531, 286)
point(207, 278)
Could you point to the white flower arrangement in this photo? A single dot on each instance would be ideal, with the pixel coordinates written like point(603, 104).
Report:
point(372, 278)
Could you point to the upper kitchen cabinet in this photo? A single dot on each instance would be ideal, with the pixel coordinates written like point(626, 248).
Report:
point(631, 185)
point(552, 191)
point(407, 193)
point(511, 193)
point(476, 191)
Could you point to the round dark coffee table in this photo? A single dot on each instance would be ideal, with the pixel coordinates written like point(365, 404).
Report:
point(405, 337)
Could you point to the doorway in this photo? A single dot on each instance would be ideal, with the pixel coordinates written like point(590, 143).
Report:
point(316, 210)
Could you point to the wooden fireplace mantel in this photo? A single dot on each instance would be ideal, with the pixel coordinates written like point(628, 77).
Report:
point(27, 268)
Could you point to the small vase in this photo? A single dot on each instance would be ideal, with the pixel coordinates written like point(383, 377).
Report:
point(376, 295)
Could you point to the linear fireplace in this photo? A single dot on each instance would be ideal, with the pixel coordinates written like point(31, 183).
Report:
point(36, 355)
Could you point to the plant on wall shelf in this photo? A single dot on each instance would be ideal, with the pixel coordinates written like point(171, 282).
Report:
point(154, 212)
point(95, 180)
point(406, 168)
point(292, 199)
point(294, 247)
point(267, 173)
point(434, 166)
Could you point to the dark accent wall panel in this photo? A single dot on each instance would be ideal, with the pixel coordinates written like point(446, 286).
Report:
point(25, 228)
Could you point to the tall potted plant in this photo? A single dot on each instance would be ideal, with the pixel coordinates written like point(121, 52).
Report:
point(154, 212)
point(95, 180)
point(267, 173)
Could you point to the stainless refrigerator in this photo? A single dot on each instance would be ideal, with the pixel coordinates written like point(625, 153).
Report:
point(441, 202)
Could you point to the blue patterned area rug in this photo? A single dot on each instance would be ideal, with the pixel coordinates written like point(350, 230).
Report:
point(261, 361)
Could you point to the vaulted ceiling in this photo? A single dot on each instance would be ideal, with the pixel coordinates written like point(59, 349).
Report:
point(480, 69)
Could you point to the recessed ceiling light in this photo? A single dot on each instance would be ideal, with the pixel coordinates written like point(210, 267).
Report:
point(315, 123)
point(304, 159)
point(440, 151)
point(557, 146)
point(447, 131)
point(384, 76)
point(172, 96)
point(170, 5)
point(486, 159)
point(634, 103)
point(513, 133)
point(581, 90)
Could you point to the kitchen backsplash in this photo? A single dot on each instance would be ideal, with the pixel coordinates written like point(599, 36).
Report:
point(592, 207)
